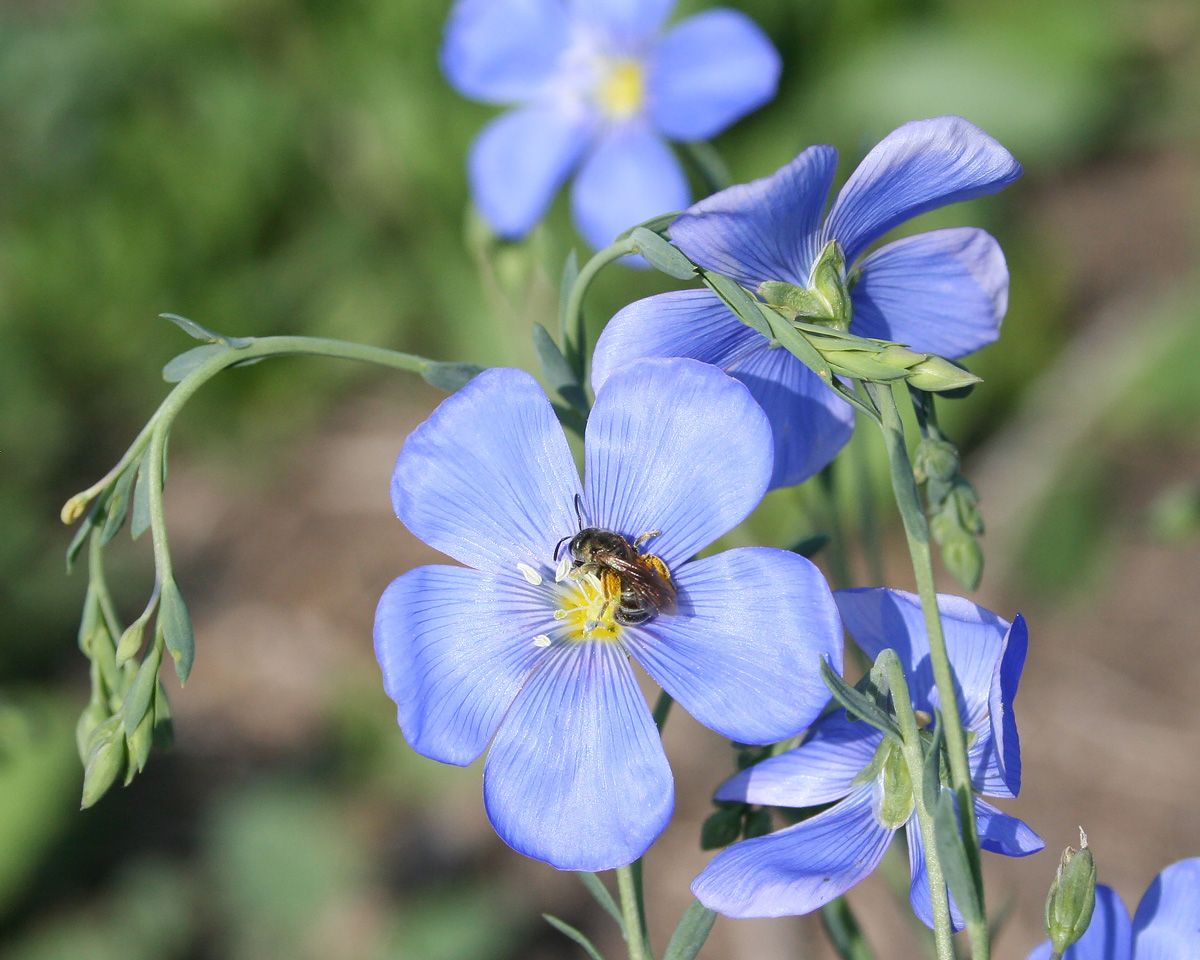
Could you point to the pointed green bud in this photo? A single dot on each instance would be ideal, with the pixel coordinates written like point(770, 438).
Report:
point(963, 558)
point(105, 760)
point(966, 500)
point(936, 374)
point(94, 714)
point(936, 460)
point(1072, 896)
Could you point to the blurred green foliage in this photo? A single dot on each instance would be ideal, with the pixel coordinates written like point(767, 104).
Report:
point(271, 166)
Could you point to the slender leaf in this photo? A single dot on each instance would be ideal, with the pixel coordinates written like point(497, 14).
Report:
point(809, 547)
point(597, 889)
point(844, 932)
point(94, 516)
point(797, 344)
point(691, 933)
point(451, 377)
point(570, 931)
point(193, 329)
point(857, 704)
point(955, 865)
point(744, 306)
point(139, 523)
point(661, 255)
point(176, 626)
point(137, 700)
point(180, 366)
point(570, 273)
point(659, 225)
point(118, 504)
point(931, 782)
point(557, 370)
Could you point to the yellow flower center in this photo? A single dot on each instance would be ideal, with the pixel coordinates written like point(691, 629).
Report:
point(622, 90)
point(586, 608)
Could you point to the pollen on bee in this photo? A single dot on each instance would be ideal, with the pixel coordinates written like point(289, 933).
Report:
point(541, 640)
point(531, 575)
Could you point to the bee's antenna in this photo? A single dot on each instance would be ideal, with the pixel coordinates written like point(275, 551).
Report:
point(558, 546)
point(579, 510)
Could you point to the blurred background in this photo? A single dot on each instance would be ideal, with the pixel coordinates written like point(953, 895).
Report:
point(295, 166)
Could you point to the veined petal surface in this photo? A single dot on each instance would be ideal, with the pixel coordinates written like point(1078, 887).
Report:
point(660, 455)
point(1000, 833)
point(489, 479)
point(818, 771)
point(942, 292)
point(709, 71)
point(768, 229)
point(878, 618)
point(455, 646)
point(520, 159)
point(919, 166)
point(631, 175)
point(1108, 936)
point(576, 776)
point(742, 653)
point(1167, 923)
point(799, 869)
point(503, 51)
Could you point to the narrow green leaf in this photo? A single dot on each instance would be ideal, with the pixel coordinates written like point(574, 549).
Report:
point(570, 418)
point(137, 700)
point(797, 344)
point(809, 547)
point(451, 377)
point(844, 932)
point(557, 370)
point(138, 746)
point(953, 854)
point(139, 523)
point(931, 780)
point(661, 255)
point(570, 931)
point(735, 297)
point(691, 933)
point(858, 705)
point(570, 274)
point(179, 367)
point(597, 889)
point(105, 760)
point(721, 829)
point(118, 505)
point(94, 516)
point(176, 626)
point(659, 224)
point(164, 728)
point(193, 329)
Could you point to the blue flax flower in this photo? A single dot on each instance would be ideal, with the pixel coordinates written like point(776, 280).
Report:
point(523, 648)
point(598, 85)
point(852, 766)
point(942, 292)
point(1165, 927)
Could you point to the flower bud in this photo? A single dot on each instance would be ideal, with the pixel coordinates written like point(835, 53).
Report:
point(963, 558)
point(1072, 896)
point(936, 460)
point(106, 759)
point(935, 374)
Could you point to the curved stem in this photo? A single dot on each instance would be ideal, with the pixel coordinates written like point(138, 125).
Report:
point(914, 759)
point(916, 530)
point(631, 914)
point(573, 321)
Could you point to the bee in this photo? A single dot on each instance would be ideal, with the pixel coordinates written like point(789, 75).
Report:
point(639, 584)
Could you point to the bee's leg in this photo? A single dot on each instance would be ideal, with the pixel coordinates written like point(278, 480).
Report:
point(657, 565)
point(610, 584)
point(650, 535)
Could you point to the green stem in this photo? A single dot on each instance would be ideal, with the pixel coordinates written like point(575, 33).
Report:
point(914, 759)
point(839, 559)
point(916, 530)
point(872, 543)
point(573, 320)
point(661, 710)
point(631, 914)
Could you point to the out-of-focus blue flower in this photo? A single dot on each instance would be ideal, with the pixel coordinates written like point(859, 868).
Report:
point(803, 867)
point(598, 84)
point(514, 647)
point(1165, 927)
point(942, 292)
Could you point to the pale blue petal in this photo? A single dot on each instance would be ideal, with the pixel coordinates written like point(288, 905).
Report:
point(455, 646)
point(1006, 743)
point(1167, 923)
point(818, 771)
point(1000, 833)
point(797, 870)
point(918, 888)
point(519, 161)
point(919, 166)
point(489, 479)
point(623, 26)
point(1108, 936)
point(742, 653)
point(943, 292)
point(765, 230)
point(809, 422)
point(878, 618)
point(709, 71)
point(576, 775)
point(502, 51)
point(660, 455)
point(629, 177)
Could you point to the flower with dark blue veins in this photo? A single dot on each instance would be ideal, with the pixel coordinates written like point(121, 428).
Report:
point(528, 644)
point(862, 774)
point(598, 85)
point(1165, 927)
point(942, 292)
